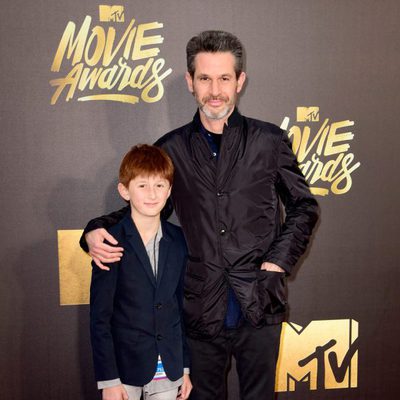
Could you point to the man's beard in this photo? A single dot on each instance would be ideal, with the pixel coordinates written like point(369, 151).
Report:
point(215, 115)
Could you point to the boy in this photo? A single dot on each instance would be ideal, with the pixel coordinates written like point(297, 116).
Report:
point(135, 307)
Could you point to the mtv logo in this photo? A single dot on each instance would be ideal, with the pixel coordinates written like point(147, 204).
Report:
point(307, 114)
point(321, 355)
point(111, 13)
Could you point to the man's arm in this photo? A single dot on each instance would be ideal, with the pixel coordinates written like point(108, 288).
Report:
point(301, 210)
point(95, 235)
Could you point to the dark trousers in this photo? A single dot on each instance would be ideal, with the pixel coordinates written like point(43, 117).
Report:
point(256, 354)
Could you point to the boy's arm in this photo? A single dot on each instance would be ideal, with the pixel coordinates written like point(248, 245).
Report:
point(94, 235)
point(102, 292)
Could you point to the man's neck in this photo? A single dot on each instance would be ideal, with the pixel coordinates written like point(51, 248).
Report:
point(146, 226)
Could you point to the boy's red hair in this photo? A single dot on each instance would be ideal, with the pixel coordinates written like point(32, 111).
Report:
point(144, 159)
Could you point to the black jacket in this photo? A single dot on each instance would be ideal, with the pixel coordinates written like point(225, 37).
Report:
point(133, 317)
point(230, 211)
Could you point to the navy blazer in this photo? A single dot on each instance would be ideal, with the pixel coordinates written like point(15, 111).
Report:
point(133, 317)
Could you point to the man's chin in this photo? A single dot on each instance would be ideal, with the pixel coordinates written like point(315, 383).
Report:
point(216, 116)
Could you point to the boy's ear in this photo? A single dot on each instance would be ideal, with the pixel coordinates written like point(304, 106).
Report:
point(123, 191)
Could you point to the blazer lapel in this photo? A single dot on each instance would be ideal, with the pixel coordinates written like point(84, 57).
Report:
point(135, 241)
point(165, 244)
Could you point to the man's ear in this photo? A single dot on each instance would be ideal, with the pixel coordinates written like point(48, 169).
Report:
point(241, 80)
point(123, 191)
point(189, 81)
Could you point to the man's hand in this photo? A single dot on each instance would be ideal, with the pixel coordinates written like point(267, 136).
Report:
point(100, 251)
point(115, 393)
point(267, 266)
point(186, 388)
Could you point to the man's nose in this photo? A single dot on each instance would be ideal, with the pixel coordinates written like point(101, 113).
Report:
point(215, 88)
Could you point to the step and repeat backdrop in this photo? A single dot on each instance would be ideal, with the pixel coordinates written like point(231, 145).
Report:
point(82, 81)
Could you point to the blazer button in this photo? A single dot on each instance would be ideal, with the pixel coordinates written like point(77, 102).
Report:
point(222, 232)
point(158, 306)
point(159, 337)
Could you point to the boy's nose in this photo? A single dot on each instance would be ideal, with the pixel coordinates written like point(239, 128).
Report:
point(152, 192)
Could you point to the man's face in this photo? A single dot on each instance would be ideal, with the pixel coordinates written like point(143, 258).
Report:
point(214, 84)
point(146, 194)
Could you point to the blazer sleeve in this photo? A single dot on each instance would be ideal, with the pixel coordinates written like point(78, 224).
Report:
point(102, 291)
point(301, 210)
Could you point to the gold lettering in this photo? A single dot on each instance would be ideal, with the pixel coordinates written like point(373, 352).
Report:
point(157, 83)
point(141, 41)
point(99, 35)
point(109, 55)
point(335, 137)
point(74, 47)
point(71, 80)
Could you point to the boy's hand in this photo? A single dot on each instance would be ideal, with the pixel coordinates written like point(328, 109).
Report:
point(186, 388)
point(115, 393)
point(100, 251)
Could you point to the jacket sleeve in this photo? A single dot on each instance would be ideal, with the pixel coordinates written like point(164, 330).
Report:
point(301, 210)
point(105, 221)
point(102, 290)
point(180, 295)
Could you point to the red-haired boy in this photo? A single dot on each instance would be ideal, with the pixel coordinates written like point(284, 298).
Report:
point(135, 307)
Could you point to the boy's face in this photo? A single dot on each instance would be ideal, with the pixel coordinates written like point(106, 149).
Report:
point(146, 194)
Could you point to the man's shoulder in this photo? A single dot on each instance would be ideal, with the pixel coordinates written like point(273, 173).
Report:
point(174, 135)
point(264, 126)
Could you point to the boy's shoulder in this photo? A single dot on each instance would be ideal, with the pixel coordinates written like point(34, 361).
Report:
point(172, 229)
point(174, 232)
point(118, 231)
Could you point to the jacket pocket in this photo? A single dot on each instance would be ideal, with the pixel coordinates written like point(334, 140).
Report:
point(272, 291)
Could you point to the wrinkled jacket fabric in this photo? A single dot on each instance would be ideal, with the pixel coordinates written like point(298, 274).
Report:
point(230, 211)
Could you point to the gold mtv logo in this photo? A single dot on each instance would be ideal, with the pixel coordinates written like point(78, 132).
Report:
point(111, 13)
point(307, 114)
point(322, 355)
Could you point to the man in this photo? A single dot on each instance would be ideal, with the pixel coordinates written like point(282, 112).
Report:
point(232, 173)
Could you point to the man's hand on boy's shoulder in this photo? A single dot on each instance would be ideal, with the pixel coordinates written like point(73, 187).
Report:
point(185, 388)
point(115, 393)
point(100, 251)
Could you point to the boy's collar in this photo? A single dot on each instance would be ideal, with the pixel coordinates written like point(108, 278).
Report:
point(131, 229)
